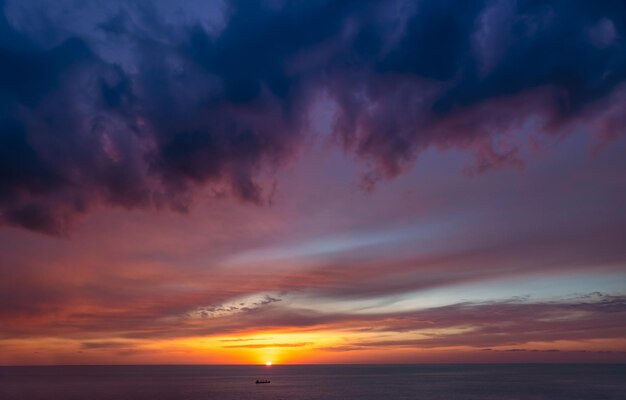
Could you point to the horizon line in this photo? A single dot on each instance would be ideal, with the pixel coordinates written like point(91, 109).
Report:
point(321, 364)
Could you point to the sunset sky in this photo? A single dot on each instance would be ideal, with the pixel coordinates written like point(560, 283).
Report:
point(385, 181)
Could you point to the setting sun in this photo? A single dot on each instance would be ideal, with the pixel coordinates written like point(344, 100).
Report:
point(268, 363)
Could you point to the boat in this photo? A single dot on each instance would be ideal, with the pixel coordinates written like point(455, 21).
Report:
point(262, 381)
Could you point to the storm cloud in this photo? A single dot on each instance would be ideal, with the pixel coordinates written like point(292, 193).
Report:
point(192, 102)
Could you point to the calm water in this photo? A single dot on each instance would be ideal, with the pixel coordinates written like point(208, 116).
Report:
point(555, 382)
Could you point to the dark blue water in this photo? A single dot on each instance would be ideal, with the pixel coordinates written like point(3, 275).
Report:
point(363, 382)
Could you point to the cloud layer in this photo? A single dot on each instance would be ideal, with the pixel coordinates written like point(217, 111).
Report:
point(135, 105)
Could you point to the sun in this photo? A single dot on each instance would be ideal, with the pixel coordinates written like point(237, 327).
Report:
point(268, 363)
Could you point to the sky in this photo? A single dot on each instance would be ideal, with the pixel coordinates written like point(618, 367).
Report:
point(208, 182)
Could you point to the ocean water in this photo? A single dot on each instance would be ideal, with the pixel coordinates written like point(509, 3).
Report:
point(363, 382)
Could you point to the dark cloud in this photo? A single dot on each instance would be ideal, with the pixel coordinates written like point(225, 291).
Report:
point(522, 350)
point(104, 345)
point(176, 106)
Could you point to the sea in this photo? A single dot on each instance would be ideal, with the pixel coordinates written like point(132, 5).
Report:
point(304, 382)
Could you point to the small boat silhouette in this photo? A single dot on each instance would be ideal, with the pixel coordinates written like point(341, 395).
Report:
point(262, 381)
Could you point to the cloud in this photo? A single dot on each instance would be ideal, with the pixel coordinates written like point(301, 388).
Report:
point(509, 323)
point(243, 340)
point(505, 323)
point(266, 345)
point(105, 345)
point(242, 305)
point(137, 109)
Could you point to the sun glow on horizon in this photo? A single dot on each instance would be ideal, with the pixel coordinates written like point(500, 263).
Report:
point(268, 363)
